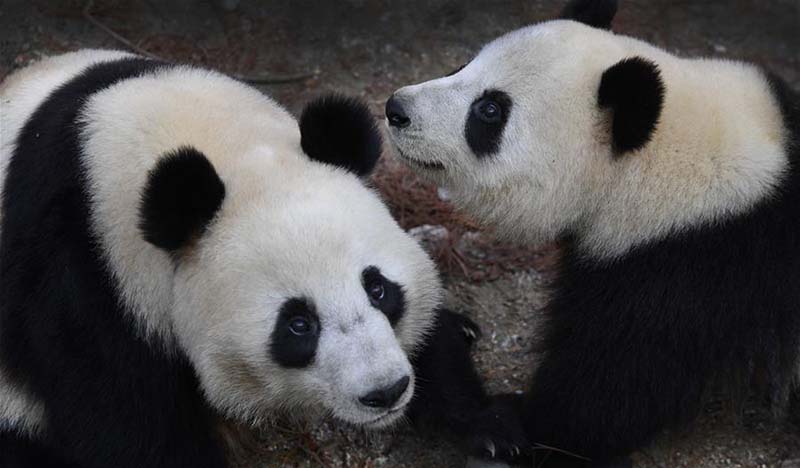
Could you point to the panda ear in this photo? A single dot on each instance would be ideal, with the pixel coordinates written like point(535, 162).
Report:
point(341, 130)
point(595, 13)
point(182, 195)
point(633, 90)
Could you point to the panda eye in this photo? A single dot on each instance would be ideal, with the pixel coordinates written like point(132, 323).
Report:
point(376, 291)
point(300, 326)
point(489, 111)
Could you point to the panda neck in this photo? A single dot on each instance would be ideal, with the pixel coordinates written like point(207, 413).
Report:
point(720, 149)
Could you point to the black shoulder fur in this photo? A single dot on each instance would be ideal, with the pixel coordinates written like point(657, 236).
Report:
point(112, 398)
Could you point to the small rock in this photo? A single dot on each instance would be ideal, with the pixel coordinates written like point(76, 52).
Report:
point(430, 236)
point(469, 244)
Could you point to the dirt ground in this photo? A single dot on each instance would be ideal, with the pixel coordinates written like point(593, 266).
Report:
point(369, 48)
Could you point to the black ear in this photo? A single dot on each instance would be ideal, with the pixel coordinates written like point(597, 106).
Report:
point(633, 90)
point(341, 130)
point(182, 195)
point(595, 13)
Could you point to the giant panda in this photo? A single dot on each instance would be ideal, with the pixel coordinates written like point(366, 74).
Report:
point(176, 248)
point(673, 185)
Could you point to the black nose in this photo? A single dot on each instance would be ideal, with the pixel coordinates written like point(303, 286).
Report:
point(396, 114)
point(385, 397)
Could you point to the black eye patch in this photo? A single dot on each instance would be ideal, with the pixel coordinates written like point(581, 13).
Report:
point(296, 334)
point(486, 120)
point(384, 294)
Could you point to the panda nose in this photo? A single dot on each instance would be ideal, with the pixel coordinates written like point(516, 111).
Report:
point(396, 114)
point(385, 397)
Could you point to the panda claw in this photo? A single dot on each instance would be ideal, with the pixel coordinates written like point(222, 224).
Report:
point(514, 451)
point(470, 332)
point(490, 448)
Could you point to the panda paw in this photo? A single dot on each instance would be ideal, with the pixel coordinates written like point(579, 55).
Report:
point(455, 321)
point(498, 433)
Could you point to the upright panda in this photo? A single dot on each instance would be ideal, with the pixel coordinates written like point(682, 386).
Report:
point(674, 185)
point(168, 251)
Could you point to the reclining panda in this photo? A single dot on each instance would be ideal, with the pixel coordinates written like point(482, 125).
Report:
point(674, 185)
point(168, 251)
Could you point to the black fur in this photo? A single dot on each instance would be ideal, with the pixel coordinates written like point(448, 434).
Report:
point(341, 131)
point(448, 393)
point(633, 90)
point(595, 13)
point(288, 348)
point(393, 302)
point(111, 398)
point(633, 346)
point(182, 195)
point(21, 452)
point(484, 136)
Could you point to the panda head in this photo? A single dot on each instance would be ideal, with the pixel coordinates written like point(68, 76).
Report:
point(528, 132)
point(295, 291)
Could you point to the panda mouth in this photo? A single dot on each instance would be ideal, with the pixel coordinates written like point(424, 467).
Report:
point(433, 166)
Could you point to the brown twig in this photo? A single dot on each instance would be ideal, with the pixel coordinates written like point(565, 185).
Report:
point(262, 79)
point(555, 449)
point(87, 14)
point(460, 261)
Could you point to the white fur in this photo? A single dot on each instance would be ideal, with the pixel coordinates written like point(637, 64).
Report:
point(717, 150)
point(288, 227)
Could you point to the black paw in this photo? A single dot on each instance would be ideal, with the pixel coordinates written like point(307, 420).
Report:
point(496, 432)
point(450, 320)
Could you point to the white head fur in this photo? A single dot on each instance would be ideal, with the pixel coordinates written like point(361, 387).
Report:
point(717, 147)
point(288, 227)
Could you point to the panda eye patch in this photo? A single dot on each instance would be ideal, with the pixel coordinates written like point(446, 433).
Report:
point(294, 338)
point(486, 120)
point(384, 294)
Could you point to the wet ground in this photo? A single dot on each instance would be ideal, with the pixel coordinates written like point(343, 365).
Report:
point(369, 48)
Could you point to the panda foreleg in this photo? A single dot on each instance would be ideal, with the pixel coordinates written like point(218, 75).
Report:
point(449, 391)
point(18, 451)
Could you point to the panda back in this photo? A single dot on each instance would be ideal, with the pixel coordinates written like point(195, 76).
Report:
point(21, 94)
point(24, 90)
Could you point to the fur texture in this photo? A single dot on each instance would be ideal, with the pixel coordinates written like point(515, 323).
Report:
point(118, 352)
point(385, 295)
point(487, 119)
point(566, 177)
point(182, 195)
point(595, 13)
point(66, 340)
point(680, 270)
point(291, 346)
point(341, 131)
point(633, 90)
